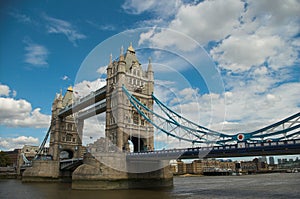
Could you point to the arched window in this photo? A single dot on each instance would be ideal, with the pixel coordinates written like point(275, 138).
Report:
point(69, 137)
point(70, 127)
point(135, 118)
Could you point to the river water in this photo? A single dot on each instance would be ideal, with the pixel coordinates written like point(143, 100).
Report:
point(276, 185)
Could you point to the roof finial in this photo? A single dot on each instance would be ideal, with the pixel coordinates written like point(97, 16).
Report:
point(70, 88)
point(150, 65)
point(130, 48)
point(121, 54)
point(122, 49)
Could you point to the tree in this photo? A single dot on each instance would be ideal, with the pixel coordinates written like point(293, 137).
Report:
point(4, 160)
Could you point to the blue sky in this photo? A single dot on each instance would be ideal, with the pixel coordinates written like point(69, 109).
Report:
point(245, 77)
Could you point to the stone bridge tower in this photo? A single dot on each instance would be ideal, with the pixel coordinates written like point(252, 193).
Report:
point(65, 142)
point(123, 123)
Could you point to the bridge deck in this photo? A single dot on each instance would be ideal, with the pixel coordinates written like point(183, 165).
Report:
point(290, 147)
point(84, 102)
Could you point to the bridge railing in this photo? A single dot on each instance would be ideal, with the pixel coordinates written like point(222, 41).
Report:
point(234, 146)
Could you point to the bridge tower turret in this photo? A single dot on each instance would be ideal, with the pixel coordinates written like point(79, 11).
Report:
point(65, 141)
point(123, 123)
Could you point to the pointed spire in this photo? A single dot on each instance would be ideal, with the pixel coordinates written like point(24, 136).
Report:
point(149, 64)
point(121, 54)
point(130, 48)
point(60, 95)
point(122, 50)
point(110, 58)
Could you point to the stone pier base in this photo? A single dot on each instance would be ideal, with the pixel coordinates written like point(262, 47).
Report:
point(94, 174)
point(42, 171)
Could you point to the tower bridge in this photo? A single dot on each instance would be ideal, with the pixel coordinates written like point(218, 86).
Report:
point(127, 100)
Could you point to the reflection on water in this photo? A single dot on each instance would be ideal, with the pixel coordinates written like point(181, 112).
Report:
point(279, 185)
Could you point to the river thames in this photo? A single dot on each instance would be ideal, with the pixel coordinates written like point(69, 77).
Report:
point(276, 185)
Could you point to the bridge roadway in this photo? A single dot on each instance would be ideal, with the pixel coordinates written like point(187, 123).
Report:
point(290, 147)
point(92, 99)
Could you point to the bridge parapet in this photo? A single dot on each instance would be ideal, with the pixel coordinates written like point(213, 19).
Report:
point(288, 147)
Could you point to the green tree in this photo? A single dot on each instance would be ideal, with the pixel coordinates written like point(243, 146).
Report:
point(4, 160)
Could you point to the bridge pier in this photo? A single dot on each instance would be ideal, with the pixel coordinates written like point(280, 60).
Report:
point(95, 175)
point(42, 171)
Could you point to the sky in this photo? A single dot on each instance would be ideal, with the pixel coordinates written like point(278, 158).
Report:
point(232, 66)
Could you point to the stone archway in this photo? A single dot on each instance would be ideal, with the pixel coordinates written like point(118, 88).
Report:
point(138, 144)
point(66, 154)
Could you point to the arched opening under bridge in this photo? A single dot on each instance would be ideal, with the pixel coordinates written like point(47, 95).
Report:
point(138, 144)
point(66, 154)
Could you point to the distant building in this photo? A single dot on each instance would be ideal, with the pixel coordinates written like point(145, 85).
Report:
point(200, 166)
point(12, 157)
point(271, 160)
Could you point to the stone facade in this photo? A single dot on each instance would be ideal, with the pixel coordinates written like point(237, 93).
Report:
point(123, 122)
point(107, 167)
point(65, 141)
point(42, 171)
point(93, 175)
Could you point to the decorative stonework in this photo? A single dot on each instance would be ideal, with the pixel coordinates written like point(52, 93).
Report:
point(65, 142)
point(123, 123)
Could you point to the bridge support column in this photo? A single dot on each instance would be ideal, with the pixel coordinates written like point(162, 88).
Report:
point(42, 171)
point(95, 175)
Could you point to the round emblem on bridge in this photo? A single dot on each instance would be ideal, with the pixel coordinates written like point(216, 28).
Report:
point(240, 137)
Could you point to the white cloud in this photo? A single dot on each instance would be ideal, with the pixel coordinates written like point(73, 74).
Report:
point(204, 22)
point(208, 20)
point(19, 113)
point(93, 129)
point(240, 53)
point(280, 17)
point(59, 26)
point(252, 33)
point(4, 90)
point(85, 87)
point(36, 54)
point(102, 70)
point(65, 78)
point(264, 36)
point(108, 27)
point(17, 142)
point(21, 17)
point(162, 9)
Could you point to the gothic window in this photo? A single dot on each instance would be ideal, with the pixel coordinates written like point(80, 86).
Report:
point(63, 139)
point(135, 118)
point(138, 73)
point(70, 127)
point(143, 122)
point(69, 137)
point(74, 139)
